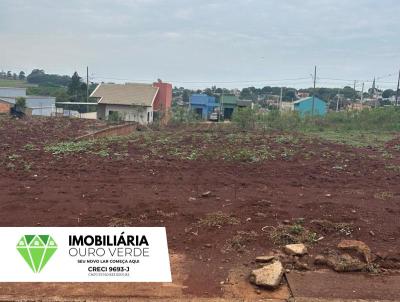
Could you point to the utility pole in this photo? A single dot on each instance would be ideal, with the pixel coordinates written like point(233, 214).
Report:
point(355, 93)
point(373, 93)
point(362, 93)
point(397, 91)
point(280, 99)
point(87, 88)
point(337, 100)
point(313, 97)
point(221, 105)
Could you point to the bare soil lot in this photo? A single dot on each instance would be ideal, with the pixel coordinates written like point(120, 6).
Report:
point(224, 196)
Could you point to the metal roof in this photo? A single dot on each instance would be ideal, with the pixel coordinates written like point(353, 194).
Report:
point(130, 94)
point(306, 99)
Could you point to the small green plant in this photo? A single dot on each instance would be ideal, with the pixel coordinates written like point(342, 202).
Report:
point(27, 166)
point(193, 155)
point(103, 153)
point(29, 147)
point(285, 139)
point(296, 229)
point(70, 147)
point(13, 157)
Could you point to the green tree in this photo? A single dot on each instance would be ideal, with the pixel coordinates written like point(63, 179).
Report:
point(21, 76)
point(186, 95)
point(245, 94)
point(388, 93)
point(74, 87)
point(20, 102)
point(348, 92)
point(38, 76)
point(289, 95)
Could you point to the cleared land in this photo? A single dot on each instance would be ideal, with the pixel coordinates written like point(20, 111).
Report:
point(224, 196)
point(15, 83)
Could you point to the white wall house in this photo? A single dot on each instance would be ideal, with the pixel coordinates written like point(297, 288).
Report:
point(141, 114)
point(132, 102)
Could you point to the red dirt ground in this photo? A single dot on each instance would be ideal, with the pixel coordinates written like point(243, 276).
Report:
point(137, 184)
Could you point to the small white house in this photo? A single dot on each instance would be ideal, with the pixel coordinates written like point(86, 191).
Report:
point(132, 102)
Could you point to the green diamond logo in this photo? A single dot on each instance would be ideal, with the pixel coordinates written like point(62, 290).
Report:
point(36, 250)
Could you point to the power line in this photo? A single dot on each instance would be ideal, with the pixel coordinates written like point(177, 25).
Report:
point(203, 82)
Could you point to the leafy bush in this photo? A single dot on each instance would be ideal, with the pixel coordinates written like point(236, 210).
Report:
point(115, 117)
point(181, 115)
point(245, 118)
point(20, 103)
point(383, 118)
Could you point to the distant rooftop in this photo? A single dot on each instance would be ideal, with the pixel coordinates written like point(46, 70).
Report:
point(306, 99)
point(126, 94)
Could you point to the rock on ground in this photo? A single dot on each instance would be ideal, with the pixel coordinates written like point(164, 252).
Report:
point(341, 263)
point(265, 259)
point(268, 276)
point(295, 249)
point(206, 194)
point(358, 246)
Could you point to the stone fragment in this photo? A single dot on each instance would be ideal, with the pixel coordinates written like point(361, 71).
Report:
point(269, 276)
point(358, 246)
point(340, 263)
point(206, 194)
point(345, 263)
point(295, 249)
point(265, 259)
point(320, 260)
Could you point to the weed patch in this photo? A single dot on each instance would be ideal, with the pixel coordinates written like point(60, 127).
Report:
point(69, 147)
point(238, 242)
point(120, 222)
point(289, 234)
point(217, 219)
point(329, 227)
point(383, 195)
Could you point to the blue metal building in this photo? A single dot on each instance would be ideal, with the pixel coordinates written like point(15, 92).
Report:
point(305, 106)
point(203, 105)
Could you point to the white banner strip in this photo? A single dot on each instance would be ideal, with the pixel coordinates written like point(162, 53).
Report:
point(84, 254)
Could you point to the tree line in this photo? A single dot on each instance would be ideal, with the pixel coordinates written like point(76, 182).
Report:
point(9, 75)
point(346, 94)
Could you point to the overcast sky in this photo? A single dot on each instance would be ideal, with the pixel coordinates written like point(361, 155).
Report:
point(246, 42)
